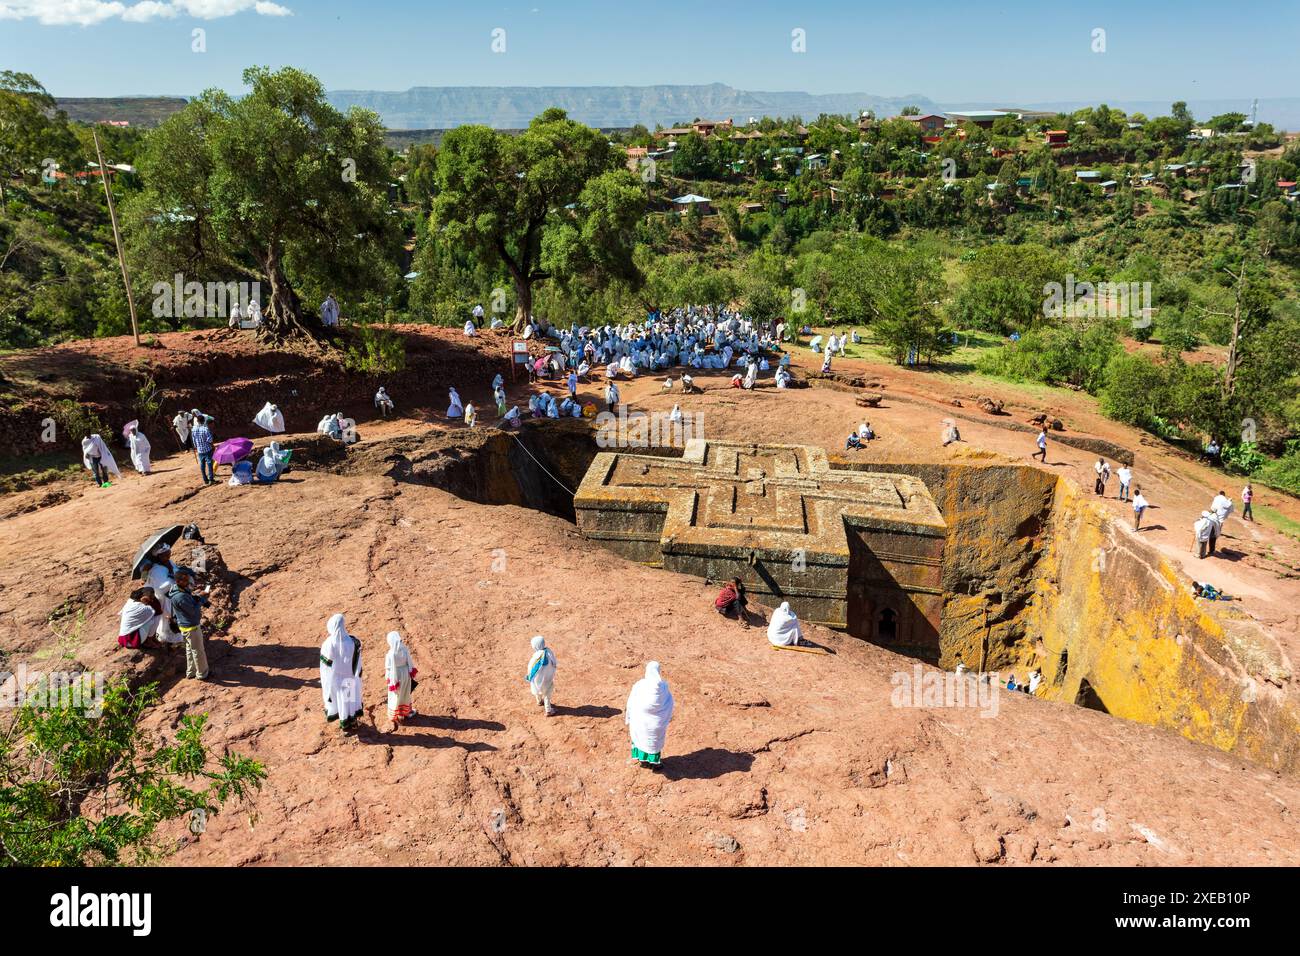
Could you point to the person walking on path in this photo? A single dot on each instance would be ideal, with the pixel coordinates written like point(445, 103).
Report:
point(1041, 454)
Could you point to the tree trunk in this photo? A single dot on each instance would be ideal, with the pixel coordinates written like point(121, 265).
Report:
point(523, 304)
point(281, 313)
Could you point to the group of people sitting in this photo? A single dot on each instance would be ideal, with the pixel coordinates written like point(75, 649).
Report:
point(859, 437)
point(783, 629)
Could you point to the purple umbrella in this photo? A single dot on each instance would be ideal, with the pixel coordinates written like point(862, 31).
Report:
point(231, 450)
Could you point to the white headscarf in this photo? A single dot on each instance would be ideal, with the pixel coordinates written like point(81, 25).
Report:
point(783, 630)
point(270, 463)
point(649, 709)
point(455, 409)
point(397, 662)
point(337, 682)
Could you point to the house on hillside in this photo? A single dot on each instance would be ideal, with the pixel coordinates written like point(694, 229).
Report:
point(814, 162)
point(1056, 138)
point(981, 118)
point(1087, 175)
point(707, 128)
point(691, 201)
point(635, 155)
point(677, 132)
point(930, 123)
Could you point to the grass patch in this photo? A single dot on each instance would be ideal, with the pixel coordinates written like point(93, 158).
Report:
point(1277, 521)
point(30, 471)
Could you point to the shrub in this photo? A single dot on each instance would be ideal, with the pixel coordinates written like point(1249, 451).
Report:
point(376, 350)
point(82, 785)
point(1283, 473)
point(1136, 388)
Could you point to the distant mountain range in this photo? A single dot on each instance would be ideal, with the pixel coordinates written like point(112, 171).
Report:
point(511, 107)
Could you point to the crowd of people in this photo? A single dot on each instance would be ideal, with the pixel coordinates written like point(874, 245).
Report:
point(167, 609)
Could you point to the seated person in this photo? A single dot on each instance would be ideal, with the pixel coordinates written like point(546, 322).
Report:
point(852, 441)
point(730, 601)
point(241, 473)
point(269, 466)
point(140, 617)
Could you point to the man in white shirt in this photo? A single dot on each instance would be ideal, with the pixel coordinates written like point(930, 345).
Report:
point(1125, 475)
point(1139, 506)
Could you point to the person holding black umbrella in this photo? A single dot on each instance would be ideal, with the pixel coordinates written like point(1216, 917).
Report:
point(187, 615)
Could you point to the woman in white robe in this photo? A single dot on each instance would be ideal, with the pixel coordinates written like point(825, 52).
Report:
point(383, 402)
point(751, 375)
point(455, 409)
point(270, 419)
point(649, 709)
point(541, 674)
point(269, 465)
point(94, 451)
point(340, 674)
point(139, 451)
point(159, 577)
point(783, 630)
point(469, 327)
point(255, 314)
point(471, 416)
point(675, 416)
point(399, 677)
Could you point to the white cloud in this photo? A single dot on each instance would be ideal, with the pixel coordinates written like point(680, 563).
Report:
point(89, 12)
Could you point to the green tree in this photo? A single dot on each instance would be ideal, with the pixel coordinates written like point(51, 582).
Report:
point(502, 195)
point(278, 183)
point(79, 788)
point(32, 128)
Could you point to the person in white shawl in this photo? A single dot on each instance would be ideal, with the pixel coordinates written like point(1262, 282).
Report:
point(98, 459)
point(469, 327)
point(329, 312)
point(181, 423)
point(783, 630)
point(751, 375)
point(383, 402)
point(611, 395)
point(159, 577)
point(340, 673)
point(454, 409)
point(270, 419)
point(399, 678)
point(471, 416)
point(541, 674)
point(254, 314)
point(140, 449)
point(269, 465)
point(649, 709)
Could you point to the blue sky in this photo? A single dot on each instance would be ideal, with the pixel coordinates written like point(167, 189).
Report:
point(949, 51)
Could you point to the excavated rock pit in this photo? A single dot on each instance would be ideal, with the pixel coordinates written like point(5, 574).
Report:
point(1033, 576)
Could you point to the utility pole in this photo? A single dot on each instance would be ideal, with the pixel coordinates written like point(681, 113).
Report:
point(117, 236)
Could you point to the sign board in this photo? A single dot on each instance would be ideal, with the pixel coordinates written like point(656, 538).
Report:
point(518, 356)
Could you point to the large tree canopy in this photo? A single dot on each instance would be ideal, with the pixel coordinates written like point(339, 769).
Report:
point(277, 184)
point(32, 128)
point(552, 202)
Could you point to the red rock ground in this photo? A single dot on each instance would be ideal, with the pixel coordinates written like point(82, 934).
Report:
point(774, 757)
